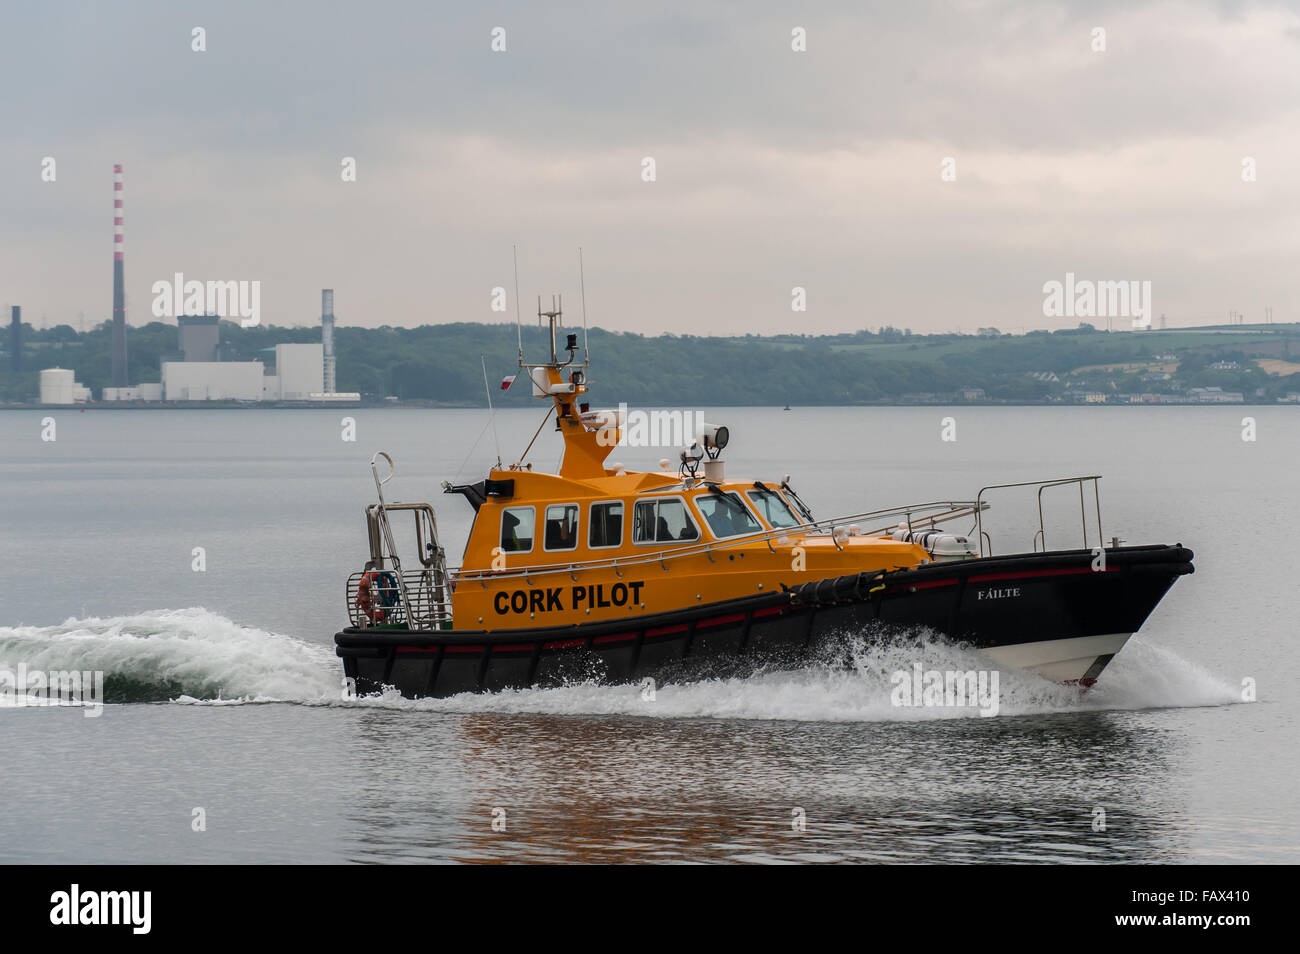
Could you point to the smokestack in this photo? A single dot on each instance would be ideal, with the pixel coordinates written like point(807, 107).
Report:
point(119, 295)
point(327, 335)
point(16, 340)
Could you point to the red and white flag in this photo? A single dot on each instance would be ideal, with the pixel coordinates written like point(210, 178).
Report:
point(508, 380)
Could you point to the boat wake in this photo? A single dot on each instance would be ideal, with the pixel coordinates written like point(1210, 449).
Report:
point(178, 655)
point(196, 657)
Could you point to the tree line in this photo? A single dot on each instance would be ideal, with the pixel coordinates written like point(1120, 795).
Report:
point(440, 364)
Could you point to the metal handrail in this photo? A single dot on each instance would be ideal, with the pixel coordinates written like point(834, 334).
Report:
point(1043, 485)
point(943, 510)
point(383, 516)
point(430, 606)
point(420, 605)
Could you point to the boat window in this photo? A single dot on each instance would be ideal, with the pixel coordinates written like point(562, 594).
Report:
point(606, 524)
point(517, 529)
point(662, 520)
point(726, 515)
point(561, 527)
point(773, 508)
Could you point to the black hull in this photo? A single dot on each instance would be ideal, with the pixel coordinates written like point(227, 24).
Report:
point(1021, 607)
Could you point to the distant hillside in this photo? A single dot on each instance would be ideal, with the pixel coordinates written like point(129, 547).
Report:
point(440, 364)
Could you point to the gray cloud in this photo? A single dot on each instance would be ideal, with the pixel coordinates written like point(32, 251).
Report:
point(776, 169)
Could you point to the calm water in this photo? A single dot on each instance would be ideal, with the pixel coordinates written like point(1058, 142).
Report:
point(236, 683)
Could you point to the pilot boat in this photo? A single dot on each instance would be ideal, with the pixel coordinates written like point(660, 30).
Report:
point(598, 572)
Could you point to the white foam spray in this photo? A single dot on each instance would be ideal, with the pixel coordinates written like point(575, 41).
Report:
point(198, 657)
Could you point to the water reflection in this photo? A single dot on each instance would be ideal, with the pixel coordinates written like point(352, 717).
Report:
point(622, 789)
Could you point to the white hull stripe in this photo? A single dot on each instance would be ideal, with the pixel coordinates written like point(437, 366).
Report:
point(1061, 660)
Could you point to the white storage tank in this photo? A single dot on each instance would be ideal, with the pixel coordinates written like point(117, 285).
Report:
point(58, 386)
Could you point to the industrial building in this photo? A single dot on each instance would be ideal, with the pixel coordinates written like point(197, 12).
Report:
point(137, 392)
point(59, 386)
point(141, 392)
point(212, 380)
point(197, 337)
point(195, 372)
point(299, 373)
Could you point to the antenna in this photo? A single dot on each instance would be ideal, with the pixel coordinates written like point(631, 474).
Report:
point(557, 310)
point(582, 285)
point(519, 325)
point(492, 414)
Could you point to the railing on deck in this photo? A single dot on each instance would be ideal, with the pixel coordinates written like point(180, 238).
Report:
point(430, 603)
point(1041, 534)
point(427, 604)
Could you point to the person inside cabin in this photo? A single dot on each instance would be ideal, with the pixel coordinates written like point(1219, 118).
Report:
point(738, 518)
point(557, 534)
point(727, 516)
point(606, 525)
point(720, 519)
point(509, 533)
point(561, 528)
point(661, 530)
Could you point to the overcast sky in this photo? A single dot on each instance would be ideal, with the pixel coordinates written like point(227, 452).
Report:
point(774, 168)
